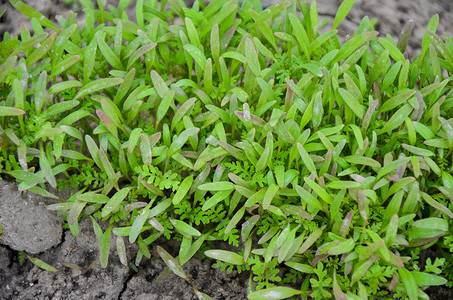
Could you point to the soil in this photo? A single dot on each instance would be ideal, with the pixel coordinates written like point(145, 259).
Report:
point(29, 226)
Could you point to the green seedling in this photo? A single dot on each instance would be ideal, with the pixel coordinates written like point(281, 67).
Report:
point(227, 122)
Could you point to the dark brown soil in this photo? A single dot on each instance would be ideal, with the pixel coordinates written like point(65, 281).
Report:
point(28, 226)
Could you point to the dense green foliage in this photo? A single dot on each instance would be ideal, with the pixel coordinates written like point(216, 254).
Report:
point(327, 165)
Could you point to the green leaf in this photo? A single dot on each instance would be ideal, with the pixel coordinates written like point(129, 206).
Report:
point(138, 224)
point(432, 224)
point(164, 106)
point(353, 44)
point(31, 13)
point(115, 201)
point(41, 51)
point(436, 204)
point(396, 101)
point(65, 64)
point(426, 279)
point(394, 52)
point(7, 65)
point(274, 293)
point(311, 239)
point(97, 85)
point(184, 228)
point(269, 195)
point(225, 256)
point(10, 111)
point(121, 250)
point(159, 84)
point(217, 186)
point(319, 190)
point(172, 263)
point(93, 197)
point(308, 162)
point(219, 196)
point(301, 34)
point(308, 198)
point(105, 247)
point(139, 52)
point(234, 220)
point(342, 12)
point(46, 169)
point(61, 107)
point(42, 264)
point(409, 283)
point(343, 247)
point(362, 269)
point(64, 85)
point(197, 55)
point(352, 102)
point(108, 53)
point(392, 166)
point(75, 211)
point(185, 186)
point(417, 150)
point(397, 118)
point(343, 185)
point(252, 57)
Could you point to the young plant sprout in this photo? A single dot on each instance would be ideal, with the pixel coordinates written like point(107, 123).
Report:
point(326, 166)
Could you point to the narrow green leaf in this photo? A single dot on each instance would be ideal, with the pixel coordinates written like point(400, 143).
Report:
point(185, 186)
point(108, 53)
point(409, 283)
point(197, 55)
point(426, 279)
point(172, 263)
point(353, 44)
point(33, 13)
point(269, 195)
point(46, 168)
point(115, 201)
point(396, 101)
point(390, 167)
point(311, 239)
point(319, 190)
point(97, 85)
point(342, 12)
point(7, 65)
point(301, 34)
point(252, 57)
point(343, 185)
point(105, 247)
point(139, 52)
point(234, 220)
point(436, 204)
point(10, 111)
point(158, 83)
point(308, 162)
point(138, 225)
point(343, 247)
point(417, 150)
point(164, 106)
point(352, 102)
point(397, 119)
point(42, 264)
point(217, 186)
point(184, 228)
point(225, 256)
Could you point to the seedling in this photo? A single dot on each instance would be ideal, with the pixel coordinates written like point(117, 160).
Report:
point(327, 164)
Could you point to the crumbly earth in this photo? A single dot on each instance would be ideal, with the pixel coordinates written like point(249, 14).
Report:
point(29, 227)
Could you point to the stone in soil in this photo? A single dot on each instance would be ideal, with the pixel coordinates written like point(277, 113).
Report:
point(27, 225)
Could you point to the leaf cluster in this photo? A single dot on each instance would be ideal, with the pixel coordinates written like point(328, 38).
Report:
point(327, 164)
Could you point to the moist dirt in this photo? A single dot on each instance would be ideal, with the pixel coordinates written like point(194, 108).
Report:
point(30, 228)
